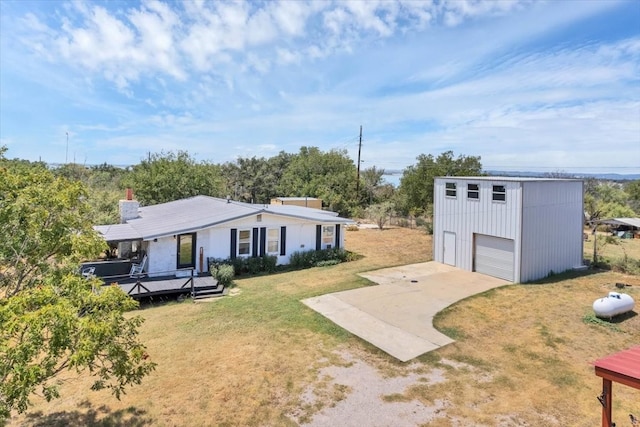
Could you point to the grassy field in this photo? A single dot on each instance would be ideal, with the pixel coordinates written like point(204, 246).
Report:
point(522, 355)
point(612, 247)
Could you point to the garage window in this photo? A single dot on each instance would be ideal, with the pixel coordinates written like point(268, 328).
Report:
point(499, 193)
point(450, 189)
point(473, 191)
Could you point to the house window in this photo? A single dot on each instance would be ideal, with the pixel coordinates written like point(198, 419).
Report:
point(273, 241)
point(259, 218)
point(244, 242)
point(327, 235)
point(499, 193)
point(450, 189)
point(473, 191)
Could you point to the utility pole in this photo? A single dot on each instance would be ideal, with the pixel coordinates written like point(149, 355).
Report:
point(358, 180)
point(66, 154)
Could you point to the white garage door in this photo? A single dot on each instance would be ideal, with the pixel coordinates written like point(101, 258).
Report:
point(494, 256)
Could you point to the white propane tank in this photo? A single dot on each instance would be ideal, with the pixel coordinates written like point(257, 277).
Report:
point(613, 304)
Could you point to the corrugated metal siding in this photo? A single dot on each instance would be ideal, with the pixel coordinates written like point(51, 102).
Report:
point(552, 220)
point(464, 217)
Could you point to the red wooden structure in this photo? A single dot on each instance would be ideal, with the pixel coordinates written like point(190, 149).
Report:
point(623, 368)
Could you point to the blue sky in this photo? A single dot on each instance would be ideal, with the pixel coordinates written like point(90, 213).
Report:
point(542, 86)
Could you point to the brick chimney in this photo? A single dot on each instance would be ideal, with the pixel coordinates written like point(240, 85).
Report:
point(128, 207)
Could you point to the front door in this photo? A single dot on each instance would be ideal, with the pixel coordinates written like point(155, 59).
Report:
point(186, 250)
point(449, 248)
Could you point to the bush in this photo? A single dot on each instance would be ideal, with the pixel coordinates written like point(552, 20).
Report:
point(309, 259)
point(239, 265)
point(402, 222)
point(223, 274)
point(254, 265)
point(269, 263)
point(428, 228)
point(303, 259)
point(626, 265)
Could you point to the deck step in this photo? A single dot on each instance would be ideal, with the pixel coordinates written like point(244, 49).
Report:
point(209, 292)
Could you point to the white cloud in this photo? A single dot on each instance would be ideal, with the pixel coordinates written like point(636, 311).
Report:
point(210, 76)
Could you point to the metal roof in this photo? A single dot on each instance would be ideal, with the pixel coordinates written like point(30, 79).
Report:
point(508, 178)
point(199, 212)
point(634, 222)
point(118, 232)
point(295, 198)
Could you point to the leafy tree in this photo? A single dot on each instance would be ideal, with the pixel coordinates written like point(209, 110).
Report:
point(165, 177)
point(330, 176)
point(615, 210)
point(416, 184)
point(51, 321)
point(604, 199)
point(611, 192)
point(374, 188)
point(72, 172)
point(632, 188)
point(255, 179)
point(380, 213)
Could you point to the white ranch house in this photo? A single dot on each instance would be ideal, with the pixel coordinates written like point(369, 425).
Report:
point(181, 235)
point(517, 229)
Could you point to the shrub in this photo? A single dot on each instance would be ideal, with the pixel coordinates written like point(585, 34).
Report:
point(269, 263)
point(428, 228)
point(303, 259)
point(331, 256)
point(239, 265)
point(626, 265)
point(224, 274)
point(254, 265)
point(402, 222)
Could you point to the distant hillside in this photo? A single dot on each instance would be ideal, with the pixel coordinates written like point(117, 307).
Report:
point(606, 176)
point(392, 176)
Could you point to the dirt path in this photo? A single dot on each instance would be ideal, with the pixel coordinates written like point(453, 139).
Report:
point(363, 396)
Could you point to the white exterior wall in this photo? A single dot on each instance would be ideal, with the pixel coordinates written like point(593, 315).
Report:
point(552, 218)
point(464, 217)
point(162, 256)
point(544, 218)
point(216, 241)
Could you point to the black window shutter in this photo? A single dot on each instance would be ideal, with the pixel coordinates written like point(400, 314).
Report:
point(337, 236)
point(318, 237)
point(263, 240)
point(283, 240)
point(234, 243)
point(254, 244)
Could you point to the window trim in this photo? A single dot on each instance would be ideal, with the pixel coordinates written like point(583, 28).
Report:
point(324, 239)
point(499, 193)
point(248, 240)
point(475, 191)
point(451, 189)
point(276, 232)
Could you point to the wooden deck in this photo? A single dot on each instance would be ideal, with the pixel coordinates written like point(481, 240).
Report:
point(157, 286)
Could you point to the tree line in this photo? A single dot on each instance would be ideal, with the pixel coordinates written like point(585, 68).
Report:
point(328, 175)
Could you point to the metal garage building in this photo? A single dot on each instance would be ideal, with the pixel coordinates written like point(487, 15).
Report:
point(517, 229)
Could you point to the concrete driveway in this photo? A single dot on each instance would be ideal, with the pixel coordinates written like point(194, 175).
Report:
point(397, 316)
